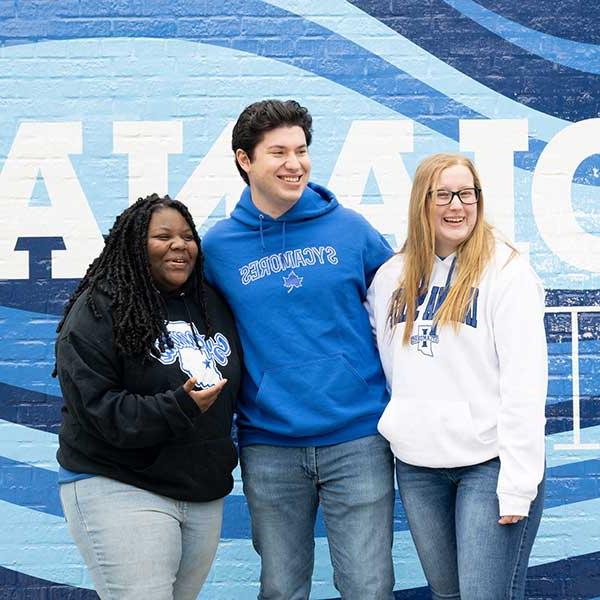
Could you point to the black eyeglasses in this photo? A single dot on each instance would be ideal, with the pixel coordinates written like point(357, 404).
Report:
point(466, 196)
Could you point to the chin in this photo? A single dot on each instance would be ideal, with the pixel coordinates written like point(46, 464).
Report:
point(175, 285)
point(292, 195)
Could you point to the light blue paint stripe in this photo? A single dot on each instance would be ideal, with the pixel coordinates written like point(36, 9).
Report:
point(461, 104)
point(557, 458)
point(38, 490)
point(28, 445)
point(39, 545)
point(27, 350)
point(241, 583)
point(576, 55)
point(369, 33)
point(560, 534)
point(38, 448)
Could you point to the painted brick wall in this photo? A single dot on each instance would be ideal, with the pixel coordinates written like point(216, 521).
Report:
point(103, 101)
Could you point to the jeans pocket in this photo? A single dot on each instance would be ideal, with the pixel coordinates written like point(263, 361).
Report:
point(62, 491)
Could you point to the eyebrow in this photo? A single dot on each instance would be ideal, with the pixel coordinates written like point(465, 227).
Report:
point(167, 228)
point(280, 147)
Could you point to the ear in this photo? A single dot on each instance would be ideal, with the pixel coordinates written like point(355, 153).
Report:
point(243, 159)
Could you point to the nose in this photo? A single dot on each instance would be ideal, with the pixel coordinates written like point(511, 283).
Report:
point(458, 202)
point(292, 162)
point(177, 242)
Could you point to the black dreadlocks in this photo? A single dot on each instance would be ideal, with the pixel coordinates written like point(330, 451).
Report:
point(122, 271)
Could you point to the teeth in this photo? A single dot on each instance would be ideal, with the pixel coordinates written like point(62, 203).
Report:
point(291, 179)
point(456, 220)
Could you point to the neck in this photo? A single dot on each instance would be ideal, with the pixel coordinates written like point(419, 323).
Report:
point(443, 253)
point(273, 211)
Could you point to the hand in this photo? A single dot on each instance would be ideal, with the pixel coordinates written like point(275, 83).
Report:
point(204, 399)
point(510, 519)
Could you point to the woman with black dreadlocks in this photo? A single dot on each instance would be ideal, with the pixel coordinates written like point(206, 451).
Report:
point(148, 362)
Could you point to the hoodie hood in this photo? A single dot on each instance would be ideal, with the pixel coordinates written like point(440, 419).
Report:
point(314, 202)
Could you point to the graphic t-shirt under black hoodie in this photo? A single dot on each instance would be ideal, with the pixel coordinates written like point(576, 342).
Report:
point(131, 420)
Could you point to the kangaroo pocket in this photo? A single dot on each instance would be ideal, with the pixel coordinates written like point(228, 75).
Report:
point(432, 433)
point(311, 398)
point(203, 465)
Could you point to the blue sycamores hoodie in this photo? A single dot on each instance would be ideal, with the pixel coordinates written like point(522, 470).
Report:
point(296, 285)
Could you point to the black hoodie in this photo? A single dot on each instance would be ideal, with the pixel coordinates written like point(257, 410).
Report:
point(130, 419)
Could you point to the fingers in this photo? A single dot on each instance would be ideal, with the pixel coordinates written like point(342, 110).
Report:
point(216, 389)
point(211, 392)
point(204, 399)
point(189, 385)
point(510, 519)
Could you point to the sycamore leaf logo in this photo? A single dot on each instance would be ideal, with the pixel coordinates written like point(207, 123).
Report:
point(292, 281)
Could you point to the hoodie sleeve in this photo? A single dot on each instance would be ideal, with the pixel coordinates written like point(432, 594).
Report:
point(212, 250)
point(377, 305)
point(376, 251)
point(208, 260)
point(369, 305)
point(92, 391)
point(520, 339)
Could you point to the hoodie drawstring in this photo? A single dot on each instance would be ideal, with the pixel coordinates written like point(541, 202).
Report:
point(283, 237)
point(450, 272)
point(444, 291)
point(190, 321)
point(261, 218)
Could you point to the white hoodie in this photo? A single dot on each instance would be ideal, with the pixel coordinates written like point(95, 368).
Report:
point(461, 398)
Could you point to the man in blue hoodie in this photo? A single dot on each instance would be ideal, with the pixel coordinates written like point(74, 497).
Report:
point(295, 266)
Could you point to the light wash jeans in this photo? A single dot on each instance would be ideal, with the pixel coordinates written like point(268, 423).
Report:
point(137, 544)
point(354, 483)
point(453, 518)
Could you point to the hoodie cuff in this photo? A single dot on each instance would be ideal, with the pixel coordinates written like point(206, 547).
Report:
point(186, 404)
point(510, 504)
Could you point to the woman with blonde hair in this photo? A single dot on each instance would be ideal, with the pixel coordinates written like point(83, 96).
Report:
point(458, 316)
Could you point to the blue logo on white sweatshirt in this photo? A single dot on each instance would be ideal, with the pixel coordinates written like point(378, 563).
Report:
point(198, 356)
point(424, 339)
point(427, 334)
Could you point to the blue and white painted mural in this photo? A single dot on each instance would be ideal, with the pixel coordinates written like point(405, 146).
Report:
point(102, 101)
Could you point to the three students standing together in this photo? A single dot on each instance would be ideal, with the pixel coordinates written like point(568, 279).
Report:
point(149, 377)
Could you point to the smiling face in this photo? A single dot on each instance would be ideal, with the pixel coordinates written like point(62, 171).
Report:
point(453, 223)
point(279, 169)
point(172, 249)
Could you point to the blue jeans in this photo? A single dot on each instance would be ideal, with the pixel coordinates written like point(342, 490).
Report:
point(137, 544)
point(453, 518)
point(354, 483)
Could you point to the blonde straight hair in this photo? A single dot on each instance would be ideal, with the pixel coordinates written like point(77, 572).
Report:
point(472, 255)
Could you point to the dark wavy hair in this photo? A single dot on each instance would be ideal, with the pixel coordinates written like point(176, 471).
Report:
point(122, 271)
point(261, 117)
